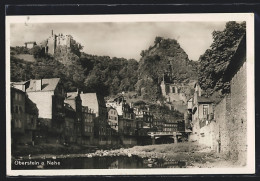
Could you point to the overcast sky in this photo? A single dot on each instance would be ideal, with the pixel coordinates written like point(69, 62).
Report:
point(122, 39)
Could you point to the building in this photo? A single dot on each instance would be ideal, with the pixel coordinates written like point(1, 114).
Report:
point(144, 117)
point(225, 131)
point(170, 125)
point(117, 103)
point(144, 124)
point(21, 85)
point(88, 117)
point(48, 95)
point(171, 90)
point(30, 44)
point(69, 130)
point(113, 118)
point(74, 100)
point(24, 116)
point(202, 114)
point(127, 126)
point(229, 131)
point(158, 124)
point(56, 43)
point(188, 115)
point(102, 131)
point(94, 102)
point(18, 118)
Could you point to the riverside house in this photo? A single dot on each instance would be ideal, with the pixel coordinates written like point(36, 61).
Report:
point(74, 100)
point(102, 131)
point(88, 117)
point(48, 95)
point(24, 116)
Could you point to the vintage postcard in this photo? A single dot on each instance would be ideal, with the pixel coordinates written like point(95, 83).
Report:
point(130, 94)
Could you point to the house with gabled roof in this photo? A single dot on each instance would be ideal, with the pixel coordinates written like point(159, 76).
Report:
point(24, 116)
point(74, 101)
point(30, 44)
point(102, 131)
point(202, 113)
point(49, 95)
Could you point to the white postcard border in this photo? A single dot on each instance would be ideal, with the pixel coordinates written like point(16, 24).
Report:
point(248, 17)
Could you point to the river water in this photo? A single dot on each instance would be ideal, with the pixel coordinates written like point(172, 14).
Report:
point(116, 162)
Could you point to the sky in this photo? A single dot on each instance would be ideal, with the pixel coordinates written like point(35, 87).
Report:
point(121, 39)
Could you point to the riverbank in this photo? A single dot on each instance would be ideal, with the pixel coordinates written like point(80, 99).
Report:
point(192, 154)
point(55, 149)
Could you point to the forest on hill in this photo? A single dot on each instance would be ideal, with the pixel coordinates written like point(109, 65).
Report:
point(105, 75)
point(89, 73)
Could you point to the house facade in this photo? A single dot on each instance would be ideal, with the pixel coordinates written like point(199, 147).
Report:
point(18, 117)
point(49, 95)
point(113, 119)
point(69, 127)
point(24, 115)
point(102, 131)
point(127, 126)
point(74, 100)
point(88, 117)
point(202, 114)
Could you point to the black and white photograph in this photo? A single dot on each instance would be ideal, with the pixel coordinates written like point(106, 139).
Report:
point(130, 94)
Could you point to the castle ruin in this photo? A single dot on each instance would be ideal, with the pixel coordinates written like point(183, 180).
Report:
point(55, 42)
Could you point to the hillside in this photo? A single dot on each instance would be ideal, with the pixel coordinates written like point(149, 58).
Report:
point(89, 73)
point(105, 75)
point(26, 57)
point(164, 56)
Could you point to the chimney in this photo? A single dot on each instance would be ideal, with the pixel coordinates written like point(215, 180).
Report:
point(38, 86)
point(51, 32)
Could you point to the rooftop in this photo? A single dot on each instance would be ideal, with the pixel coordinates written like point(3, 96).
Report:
point(30, 42)
point(47, 84)
point(72, 95)
point(204, 100)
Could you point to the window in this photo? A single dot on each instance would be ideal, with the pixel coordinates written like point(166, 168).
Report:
point(19, 124)
point(205, 110)
point(20, 109)
point(167, 89)
point(173, 90)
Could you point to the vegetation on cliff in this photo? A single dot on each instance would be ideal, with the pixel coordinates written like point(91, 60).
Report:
point(165, 55)
point(213, 63)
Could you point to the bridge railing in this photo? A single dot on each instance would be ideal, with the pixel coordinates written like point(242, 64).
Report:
point(163, 133)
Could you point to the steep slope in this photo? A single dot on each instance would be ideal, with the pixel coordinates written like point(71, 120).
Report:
point(165, 56)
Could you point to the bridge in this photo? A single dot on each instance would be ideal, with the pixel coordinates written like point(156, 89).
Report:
point(164, 133)
point(156, 135)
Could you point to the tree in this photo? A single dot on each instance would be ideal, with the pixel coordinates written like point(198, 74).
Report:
point(37, 52)
point(75, 47)
point(213, 63)
point(157, 40)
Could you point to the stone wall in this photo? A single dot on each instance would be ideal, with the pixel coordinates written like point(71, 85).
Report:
point(222, 125)
point(227, 133)
point(238, 117)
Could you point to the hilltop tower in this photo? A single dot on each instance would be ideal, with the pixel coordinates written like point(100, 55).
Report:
point(54, 42)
